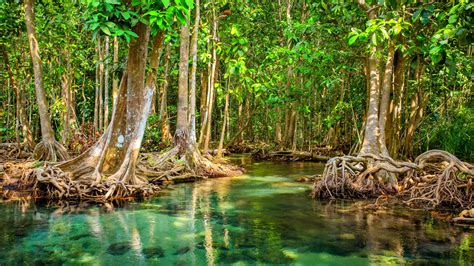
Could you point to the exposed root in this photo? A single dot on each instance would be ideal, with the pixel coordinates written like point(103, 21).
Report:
point(435, 178)
point(13, 151)
point(177, 165)
point(443, 180)
point(50, 151)
point(50, 182)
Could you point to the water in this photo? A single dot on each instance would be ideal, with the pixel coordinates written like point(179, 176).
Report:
point(264, 217)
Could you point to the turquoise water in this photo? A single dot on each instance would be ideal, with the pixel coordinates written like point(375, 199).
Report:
point(263, 217)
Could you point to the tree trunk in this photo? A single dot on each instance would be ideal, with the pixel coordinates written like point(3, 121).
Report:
point(115, 78)
point(278, 127)
point(192, 92)
point(101, 85)
point(96, 94)
point(112, 160)
point(371, 143)
point(397, 104)
point(385, 99)
point(106, 83)
point(415, 106)
point(163, 114)
point(224, 122)
point(211, 84)
point(48, 149)
point(182, 125)
point(20, 104)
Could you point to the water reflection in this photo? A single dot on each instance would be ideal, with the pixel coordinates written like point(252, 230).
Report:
point(262, 217)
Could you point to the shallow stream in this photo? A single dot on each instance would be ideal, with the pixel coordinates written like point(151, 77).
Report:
point(263, 217)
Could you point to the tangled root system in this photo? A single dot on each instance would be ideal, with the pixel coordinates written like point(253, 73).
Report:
point(435, 179)
point(50, 151)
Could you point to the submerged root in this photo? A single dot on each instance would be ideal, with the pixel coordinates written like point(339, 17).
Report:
point(50, 151)
point(436, 178)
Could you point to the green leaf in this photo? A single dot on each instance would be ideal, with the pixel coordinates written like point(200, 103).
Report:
point(166, 3)
point(125, 15)
point(452, 19)
point(105, 29)
point(353, 39)
point(416, 15)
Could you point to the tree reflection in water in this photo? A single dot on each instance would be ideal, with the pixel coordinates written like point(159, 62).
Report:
point(255, 218)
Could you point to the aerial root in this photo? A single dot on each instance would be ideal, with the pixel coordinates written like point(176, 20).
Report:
point(436, 178)
point(52, 183)
point(174, 166)
point(51, 151)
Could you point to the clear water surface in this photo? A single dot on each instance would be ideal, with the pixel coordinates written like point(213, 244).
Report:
point(263, 217)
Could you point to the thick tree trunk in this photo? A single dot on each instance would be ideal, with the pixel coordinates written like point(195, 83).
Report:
point(394, 133)
point(48, 149)
point(182, 126)
point(114, 157)
point(385, 99)
point(371, 143)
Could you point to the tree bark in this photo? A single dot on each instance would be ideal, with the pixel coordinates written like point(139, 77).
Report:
point(385, 98)
point(163, 114)
point(182, 125)
point(224, 122)
point(192, 92)
point(211, 86)
point(114, 157)
point(49, 149)
point(115, 78)
point(106, 83)
point(101, 84)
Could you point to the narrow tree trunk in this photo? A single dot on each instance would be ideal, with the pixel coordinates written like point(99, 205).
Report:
point(96, 93)
point(165, 133)
point(224, 122)
point(192, 92)
point(49, 149)
point(415, 103)
point(106, 83)
point(20, 104)
point(115, 78)
point(278, 127)
point(203, 104)
point(101, 85)
point(212, 79)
